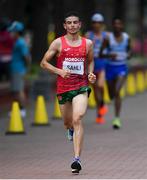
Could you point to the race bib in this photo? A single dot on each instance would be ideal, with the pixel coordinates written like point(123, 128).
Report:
point(121, 56)
point(74, 67)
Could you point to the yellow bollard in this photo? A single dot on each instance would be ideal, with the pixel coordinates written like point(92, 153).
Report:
point(15, 124)
point(41, 116)
point(51, 36)
point(130, 85)
point(123, 92)
point(140, 82)
point(106, 94)
point(57, 113)
point(91, 100)
point(146, 80)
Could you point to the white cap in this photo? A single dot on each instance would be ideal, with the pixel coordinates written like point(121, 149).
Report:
point(97, 18)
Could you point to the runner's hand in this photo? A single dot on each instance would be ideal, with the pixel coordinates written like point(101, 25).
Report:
point(113, 56)
point(91, 78)
point(65, 73)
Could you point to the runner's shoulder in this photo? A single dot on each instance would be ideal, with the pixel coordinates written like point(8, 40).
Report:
point(88, 33)
point(56, 43)
point(107, 35)
point(106, 39)
point(89, 42)
point(126, 35)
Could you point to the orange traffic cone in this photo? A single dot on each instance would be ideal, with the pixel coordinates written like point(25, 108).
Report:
point(16, 124)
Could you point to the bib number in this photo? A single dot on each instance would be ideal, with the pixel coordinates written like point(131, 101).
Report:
point(74, 67)
point(120, 55)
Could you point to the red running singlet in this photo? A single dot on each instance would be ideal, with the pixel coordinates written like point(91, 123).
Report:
point(73, 59)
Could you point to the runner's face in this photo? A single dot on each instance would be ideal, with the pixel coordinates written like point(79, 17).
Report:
point(72, 24)
point(97, 26)
point(117, 25)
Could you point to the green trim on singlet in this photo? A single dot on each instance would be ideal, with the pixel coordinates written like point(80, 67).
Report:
point(68, 96)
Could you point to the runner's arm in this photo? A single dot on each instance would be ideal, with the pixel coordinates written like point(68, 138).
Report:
point(90, 56)
point(28, 60)
point(91, 76)
point(105, 45)
point(53, 50)
point(49, 55)
point(129, 49)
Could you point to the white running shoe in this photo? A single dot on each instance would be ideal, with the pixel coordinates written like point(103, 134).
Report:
point(23, 113)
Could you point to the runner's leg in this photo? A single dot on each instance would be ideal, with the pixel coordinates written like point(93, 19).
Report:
point(116, 123)
point(119, 82)
point(99, 88)
point(66, 112)
point(79, 109)
point(111, 89)
point(99, 96)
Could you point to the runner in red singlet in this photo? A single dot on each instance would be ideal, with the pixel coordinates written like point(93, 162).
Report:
point(74, 68)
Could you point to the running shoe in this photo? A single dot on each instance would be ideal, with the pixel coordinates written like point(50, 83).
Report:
point(70, 134)
point(103, 110)
point(100, 120)
point(116, 123)
point(76, 166)
point(23, 113)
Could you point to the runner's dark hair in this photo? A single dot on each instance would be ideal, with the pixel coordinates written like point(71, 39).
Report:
point(72, 13)
point(117, 18)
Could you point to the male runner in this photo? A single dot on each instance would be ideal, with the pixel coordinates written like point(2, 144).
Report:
point(74, 55)
point(118, 44)
point(97, 35)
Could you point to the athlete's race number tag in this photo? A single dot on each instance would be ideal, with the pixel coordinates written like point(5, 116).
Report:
point(121, 56)
point(74, 67)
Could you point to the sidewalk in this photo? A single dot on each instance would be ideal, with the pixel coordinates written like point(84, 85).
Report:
point(44, 152)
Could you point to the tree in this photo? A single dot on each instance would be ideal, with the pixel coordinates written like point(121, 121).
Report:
point(13, 9)
point(39, 24)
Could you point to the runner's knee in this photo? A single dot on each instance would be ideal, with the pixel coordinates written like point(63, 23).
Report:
point(117, 93)
point(76, 119)
point(68, 123)
point(100, 83)
point(111, 95)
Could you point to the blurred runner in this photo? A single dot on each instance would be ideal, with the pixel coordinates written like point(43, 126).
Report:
point(97, 35)
point(73, 54)
point(118, 44)
point(20, 61)
point(6, 45)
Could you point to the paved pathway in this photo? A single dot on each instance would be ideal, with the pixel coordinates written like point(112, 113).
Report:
point(44, 152)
